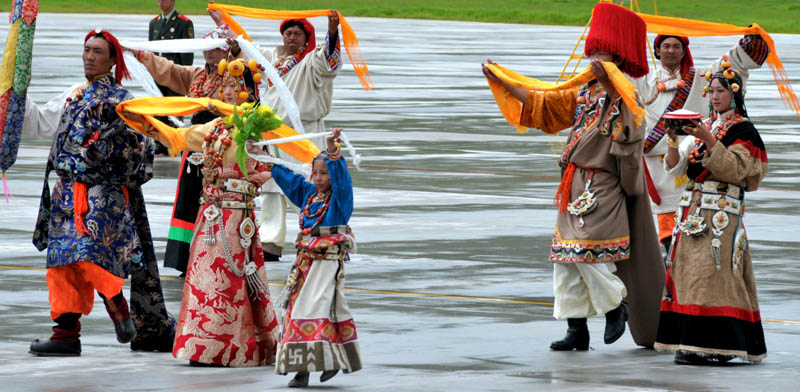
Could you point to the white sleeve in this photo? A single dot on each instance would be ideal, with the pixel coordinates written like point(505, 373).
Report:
point(41, 121)
point(268, 53)
point(740, 61)
point(646, 87)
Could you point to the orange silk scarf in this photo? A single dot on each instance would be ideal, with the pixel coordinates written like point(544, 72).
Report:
point(148, 107)
point(696, 28)
point(512, 107)
point(349, 39)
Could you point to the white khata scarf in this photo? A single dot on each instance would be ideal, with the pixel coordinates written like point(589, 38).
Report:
point(139, 72)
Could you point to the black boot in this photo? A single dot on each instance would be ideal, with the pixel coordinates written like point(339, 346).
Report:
point(300, 380)
point(667, 242)
point(65, 340)
point(615, 324)
point(577, 337)
point(203, 364)
point(117, 308)
point(327, 375)
point(688, 358)
point(55, 348)
point(271, 258)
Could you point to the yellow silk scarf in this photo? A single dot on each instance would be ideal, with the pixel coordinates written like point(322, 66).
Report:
point(512, 107)
point(349, 39)
point(148, 107)
point(695, 28)
point(9, 58)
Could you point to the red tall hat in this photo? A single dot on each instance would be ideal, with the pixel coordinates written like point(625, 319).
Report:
point(121, 71)
point(311, 41)
point(687, 61)
point(618, 30)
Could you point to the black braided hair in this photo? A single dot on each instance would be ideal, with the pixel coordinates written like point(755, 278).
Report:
point(250, 85)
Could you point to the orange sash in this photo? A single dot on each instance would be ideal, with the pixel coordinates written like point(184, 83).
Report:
point(349, 39)
point(148, 107)
point(696, 28)
point(512, 107)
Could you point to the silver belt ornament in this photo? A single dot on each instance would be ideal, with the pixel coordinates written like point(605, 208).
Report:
point(719, 221)
point(194, 159)
point(715, 196)
point(237, 205)
point(211, 213)
point(693, 225)
point(247, 229)
point(239, 186)
point(717, 187)
point(585, 203)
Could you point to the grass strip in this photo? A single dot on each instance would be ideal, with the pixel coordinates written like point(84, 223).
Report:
point(776, 16)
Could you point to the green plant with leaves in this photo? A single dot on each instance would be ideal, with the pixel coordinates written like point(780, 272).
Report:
point(249, 122)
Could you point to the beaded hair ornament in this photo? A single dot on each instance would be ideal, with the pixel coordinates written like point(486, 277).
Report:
point(220, 32)
point(236, 70)
point(731, 80)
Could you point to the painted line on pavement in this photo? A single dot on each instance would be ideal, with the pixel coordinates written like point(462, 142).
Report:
point(445, 171)
point(393, 168)
point(412, 294)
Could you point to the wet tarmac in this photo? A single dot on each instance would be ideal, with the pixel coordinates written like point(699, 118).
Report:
point(451, 289)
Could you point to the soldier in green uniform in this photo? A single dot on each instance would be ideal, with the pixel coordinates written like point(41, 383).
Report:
point(171, 24)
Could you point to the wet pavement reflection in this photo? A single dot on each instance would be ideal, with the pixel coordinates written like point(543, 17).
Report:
point(451, 288)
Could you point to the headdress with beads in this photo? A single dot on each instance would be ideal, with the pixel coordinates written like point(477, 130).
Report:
point(731, 80)
point(621, 32)
point(220, 32)
point(245, 75)
point(121, 71)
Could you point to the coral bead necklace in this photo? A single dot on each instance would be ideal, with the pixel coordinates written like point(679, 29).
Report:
point(320, 214)
point(718, 132)
point(213, 152)
point(205, 86)
point(661, 87)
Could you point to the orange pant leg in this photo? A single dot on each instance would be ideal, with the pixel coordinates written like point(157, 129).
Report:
point(72, 286)
point(69, 292)
point(666, 223)
point(103, 281)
